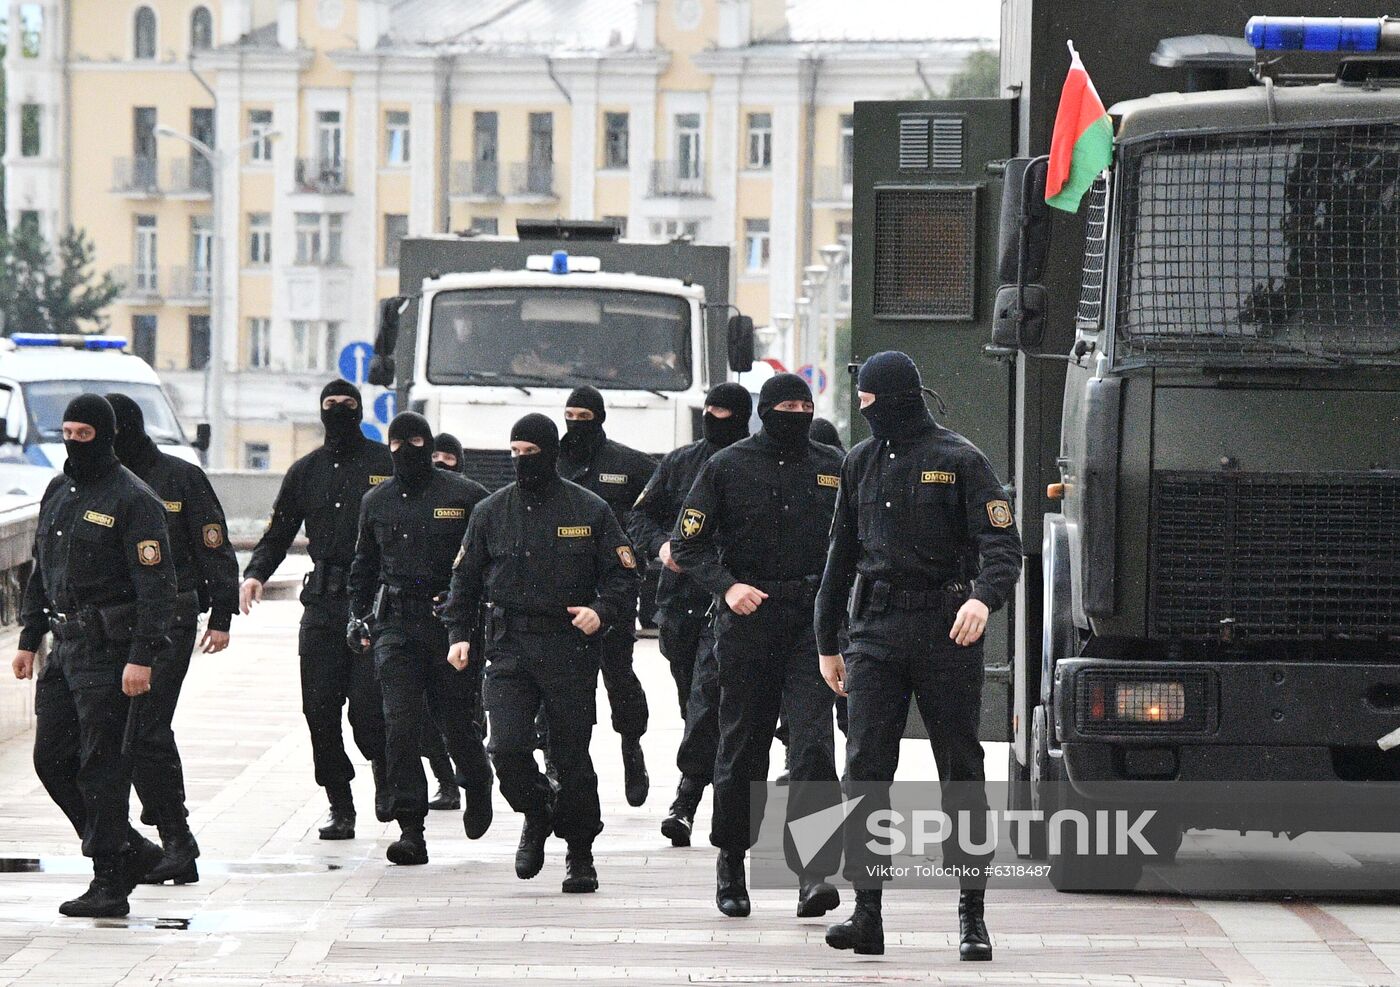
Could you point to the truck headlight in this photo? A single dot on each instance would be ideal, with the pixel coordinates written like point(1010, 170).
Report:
point(1141, 701)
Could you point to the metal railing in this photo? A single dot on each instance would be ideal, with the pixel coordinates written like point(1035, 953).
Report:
point(190, 176)
point(136, 176)
point(530, 178)
point(476, 179)
point(190, 282)
point(831, 185)
point(682, 179)
point(322, 177)
point(138, 283)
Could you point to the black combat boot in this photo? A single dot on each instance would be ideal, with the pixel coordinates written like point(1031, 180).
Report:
point(863, 932)
point(731, 888)
point(476, 819)
point(815, 897)
point(410, 849)
point(529, 856)
point(136, 860)
point(634, 771)
point(383, 794)
point(680, 820)
point(581, 878)
point(340, 824)
point(447, 796)
point(976, 943)
point(105, 896)
point(177, 863)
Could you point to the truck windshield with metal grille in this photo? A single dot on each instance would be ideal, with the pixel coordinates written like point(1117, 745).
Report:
point(1278, 245)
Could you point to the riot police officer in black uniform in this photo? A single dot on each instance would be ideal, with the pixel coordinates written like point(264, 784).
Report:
point(556, 573)
point(447, 452)
point(410, 530)
point(104, 585)
point(207, 572)
point(617, 473)
point(324, 489)
point(753, 532)
point(684, 609)
point(923, 548)
point(447, 455)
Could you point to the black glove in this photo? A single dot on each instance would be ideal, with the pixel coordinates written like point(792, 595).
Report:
point(357, 635)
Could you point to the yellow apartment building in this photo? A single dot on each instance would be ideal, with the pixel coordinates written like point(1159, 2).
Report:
point(339, 126)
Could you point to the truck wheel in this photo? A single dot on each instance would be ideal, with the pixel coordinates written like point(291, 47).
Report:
point(1071, 870)
point(1038, 787)
point(1164, 831)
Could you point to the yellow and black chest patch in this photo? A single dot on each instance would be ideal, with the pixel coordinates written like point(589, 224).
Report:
point(213, 536)
point(692, 522)
point(937, 476)
point(174, 506)
point(148, 552)
point(375, 480)
point(105, 520)
point(449, 513)
point(576, 531)
point(828, 480)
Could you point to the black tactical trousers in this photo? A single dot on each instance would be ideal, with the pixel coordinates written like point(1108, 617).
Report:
point(331, 674)
point(625, 693)
point(768, 664)
point(918, 661)
point(156, 771)
point(434, 746)
point(700, 741)
point(678, 634)
point(410, 656)
point(556, 670)
point(81, 715)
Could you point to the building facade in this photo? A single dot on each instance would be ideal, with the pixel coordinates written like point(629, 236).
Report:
point(329, 129)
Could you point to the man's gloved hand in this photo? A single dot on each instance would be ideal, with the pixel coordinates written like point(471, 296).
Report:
point(357, 635)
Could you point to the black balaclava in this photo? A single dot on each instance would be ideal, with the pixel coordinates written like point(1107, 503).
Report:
point(342, 423)
point(90, 460)
point(412, 464)
point(898, 410)
point(132, 445)
point(789, 430)
point(726, 431)
point(582, 438)
point(535, 473)
point(825, 433)
point(447, 442)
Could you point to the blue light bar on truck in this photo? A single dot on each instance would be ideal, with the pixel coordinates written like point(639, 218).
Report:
point(562, 262)
point(75, 341)
point(1323, 34)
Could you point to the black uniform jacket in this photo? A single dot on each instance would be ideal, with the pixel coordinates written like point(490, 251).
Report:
point(917, 512)
point(323, 489)
point(757, 514)
point(540, 553)
point(409, 536)
point(100, 544)
point(204, 559)
point(654, 515)
point(615, 472)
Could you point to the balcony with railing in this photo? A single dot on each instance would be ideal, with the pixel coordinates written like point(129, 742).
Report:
point(140, 285)
point(531, 180)
point(832, 185)
point(191, 178)
point(319, 177)
point(189, 285)
point(136, 177)
point(678, 179)
point(475, 180)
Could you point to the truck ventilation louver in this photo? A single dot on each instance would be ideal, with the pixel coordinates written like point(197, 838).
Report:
point(930, 143)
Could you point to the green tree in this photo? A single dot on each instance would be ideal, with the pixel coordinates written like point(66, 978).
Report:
point(41, 293)
point(980, 75)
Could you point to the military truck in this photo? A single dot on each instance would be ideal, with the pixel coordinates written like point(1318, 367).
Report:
point(1214, 593)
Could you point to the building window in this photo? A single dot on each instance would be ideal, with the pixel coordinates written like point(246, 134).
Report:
point(848, 148)
point(201, 254)
point(201, 29)
point(199, 342)
point(31, 138)
point(259, 238)
point(319, 237)
point(395, 229)
point(757, 245)
point(143, 337)
point(144, 256)
point(485, 225)
point(688, 149)
point(31, 30)
point(615, 136)
point(257, 456)
point(396, 137)
point(314, 345)
point(29, 221)
point(760, 141)
point(259, 343)
point(259, 132)
point(330, 146)
point(144, 34)
point(674, 229)
point(539, 172)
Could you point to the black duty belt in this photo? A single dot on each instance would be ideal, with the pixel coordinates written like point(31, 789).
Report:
point(871, 596)
point(391, 599)
point(505, 619)
point(327, 579)
point(788, 589)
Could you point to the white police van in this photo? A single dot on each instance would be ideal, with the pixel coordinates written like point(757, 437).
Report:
point(41, 373)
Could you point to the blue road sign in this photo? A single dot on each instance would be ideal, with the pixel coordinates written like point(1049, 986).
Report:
point(815, 378)
point(371, 431)
point(354, 362)
point(386, 406)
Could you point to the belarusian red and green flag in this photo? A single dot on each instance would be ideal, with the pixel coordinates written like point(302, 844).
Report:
point(1082, 144)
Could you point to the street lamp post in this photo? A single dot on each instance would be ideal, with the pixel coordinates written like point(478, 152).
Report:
point(835, 256)
point(214, 370)
point(812, 346)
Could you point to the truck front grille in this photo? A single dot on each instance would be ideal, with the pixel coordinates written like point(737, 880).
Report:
point(1275, 555)
point(489, 467)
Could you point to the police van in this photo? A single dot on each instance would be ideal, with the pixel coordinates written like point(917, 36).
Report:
point(41, 373)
